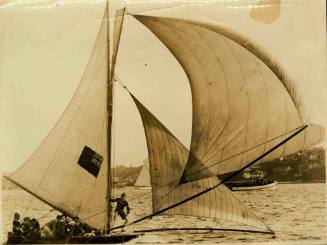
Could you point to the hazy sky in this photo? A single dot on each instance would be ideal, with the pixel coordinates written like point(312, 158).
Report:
point(45, 46)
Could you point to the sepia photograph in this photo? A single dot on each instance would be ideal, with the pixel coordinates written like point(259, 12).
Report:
point(163, 121)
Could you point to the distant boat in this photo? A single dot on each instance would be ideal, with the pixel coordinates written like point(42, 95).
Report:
point(248, 185)
point(245, 111)
point(143, 179)
point(252, 179)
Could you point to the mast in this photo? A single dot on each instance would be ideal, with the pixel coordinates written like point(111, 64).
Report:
point(109, 125)
point(110, 77)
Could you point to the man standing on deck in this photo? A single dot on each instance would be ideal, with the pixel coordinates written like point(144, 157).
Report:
point(16, 226)
point(121, 204)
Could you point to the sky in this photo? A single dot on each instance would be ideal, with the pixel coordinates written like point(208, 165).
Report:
point(45, 46)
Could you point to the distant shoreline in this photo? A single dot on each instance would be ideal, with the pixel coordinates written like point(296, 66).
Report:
point(279, 183)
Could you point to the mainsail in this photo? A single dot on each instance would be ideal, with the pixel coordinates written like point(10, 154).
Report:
point(243, 103)
point(168, 158)
point(54, 173)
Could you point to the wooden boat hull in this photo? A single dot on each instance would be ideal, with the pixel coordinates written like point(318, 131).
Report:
point(112, 239)
point(253, 187)
point(143, 187)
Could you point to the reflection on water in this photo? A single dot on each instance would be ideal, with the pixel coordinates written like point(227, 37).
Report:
point(294, 211)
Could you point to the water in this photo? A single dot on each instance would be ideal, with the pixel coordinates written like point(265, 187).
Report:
point(296, 212)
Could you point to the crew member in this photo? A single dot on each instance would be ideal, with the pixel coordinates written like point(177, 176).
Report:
point(16, 226)
point(121, 204)
point(48, 230)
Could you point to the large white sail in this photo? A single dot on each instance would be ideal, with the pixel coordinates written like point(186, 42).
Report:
point(143, 179)
point(243, 104)
point(54, 172)
point(168, 158)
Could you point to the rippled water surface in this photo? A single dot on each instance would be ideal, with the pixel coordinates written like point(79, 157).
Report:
point(296, 212)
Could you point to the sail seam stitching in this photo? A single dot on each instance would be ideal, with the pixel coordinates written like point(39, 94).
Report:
point(247, 92)
point(267, 105)
point(222, 69)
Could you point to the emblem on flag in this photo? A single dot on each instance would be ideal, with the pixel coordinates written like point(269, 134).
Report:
point(90, 160)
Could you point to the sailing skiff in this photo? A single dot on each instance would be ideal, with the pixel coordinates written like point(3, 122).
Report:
point(245, 111)
point(143, 179)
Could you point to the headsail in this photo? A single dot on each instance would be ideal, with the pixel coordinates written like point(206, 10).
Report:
point(168, 158)
point(58, 172)
point(119, 20)
point(243, 104)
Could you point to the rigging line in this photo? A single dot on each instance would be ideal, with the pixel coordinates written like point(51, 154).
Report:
point(157, 9)
point(113, 155)
point(221, 182)
point(28, 206)
point(287, 122)
point(121, 83)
